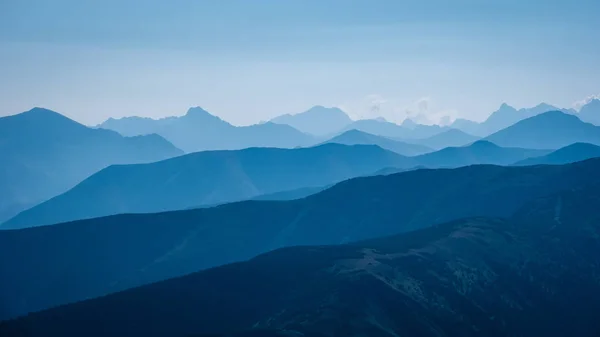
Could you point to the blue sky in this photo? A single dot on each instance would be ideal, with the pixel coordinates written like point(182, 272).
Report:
point(248, 61)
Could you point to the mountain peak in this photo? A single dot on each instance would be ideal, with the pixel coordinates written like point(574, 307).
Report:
point(409, 123)
point(505, 107)
point(483, 144)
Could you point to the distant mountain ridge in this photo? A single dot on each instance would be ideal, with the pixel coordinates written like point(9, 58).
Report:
point(210, 177)
point(549, 130)
point(504, 117)
point(318, 120)
point(480, 152)
point(356, 137)
point(568, 154)
point(44, 153)
point(198, 130)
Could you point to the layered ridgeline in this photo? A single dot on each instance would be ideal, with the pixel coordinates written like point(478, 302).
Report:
point(504, 117)
point(43, 153)
point(532, 274)
point(356, 137)
point(198, 130)
point(216, 177)
point(317, 121)
point(448, 138)
point(406, 131)
point(104, 255)
point(568, 154)
point(550, 130)
point(480, 152)
point(208, 178)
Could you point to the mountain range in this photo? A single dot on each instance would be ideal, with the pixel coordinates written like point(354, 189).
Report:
point(318, 121)
point(198, 130)
point(44, 153)
point(480, 152)
point(549, 130)
point(103, 255)
point(568, 154)
point(209, 177)
point(448, 138)
point(534, 272)
point(356, 137)
point(504, 117)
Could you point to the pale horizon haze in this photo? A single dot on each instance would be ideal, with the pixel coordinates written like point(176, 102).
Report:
point(250, 61)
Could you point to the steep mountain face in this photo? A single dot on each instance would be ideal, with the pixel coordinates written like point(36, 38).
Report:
point(535, 274)
point(591, 112)
point(450, 138)
point(355, 137)
point(568, 154)
point(198, 130)
point(318, 120)
point(550, 130)
point(209, 177)
point(104, 255)
point(44, 154)
point(480, 152)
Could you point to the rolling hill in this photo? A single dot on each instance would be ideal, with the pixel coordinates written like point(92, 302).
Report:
point(480, 152)
point(207, 178)
point(44, 153)
point(534, 273)
point(198, 130)
point(110, 254)
point(356, 137)
point(549, 130)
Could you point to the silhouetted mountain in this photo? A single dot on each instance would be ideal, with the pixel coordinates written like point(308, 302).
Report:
point(209, 177)
point(550, 130)
point(355, 137)
point(381, 127)
point(591, 112)
point(467, 126)
point(502, 118)
point(43, 153)
point(104, 255)
point(451, 137)
point(533, 274)
point(318, 120)
point(198, 130)
point(480, 152)
point(568, 154)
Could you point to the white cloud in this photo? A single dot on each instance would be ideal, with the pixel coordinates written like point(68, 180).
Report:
point(422, 110)
point(579, 104)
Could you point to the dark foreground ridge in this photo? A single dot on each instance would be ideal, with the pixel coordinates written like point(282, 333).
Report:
point(105, 255)
point(534, 274)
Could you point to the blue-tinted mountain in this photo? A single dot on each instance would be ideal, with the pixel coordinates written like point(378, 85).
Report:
point(568, 154)
point(356, 137)
point(533, 273)
point(467, 126)
point(209, 177)
point(550, 130)
point(43, 153)
point(504, 117)
point(480, 152)
point(104, 255)
point(381, 127)
point(451, 137)
point(318, 120)
point(591, 112)
point(198, 130)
